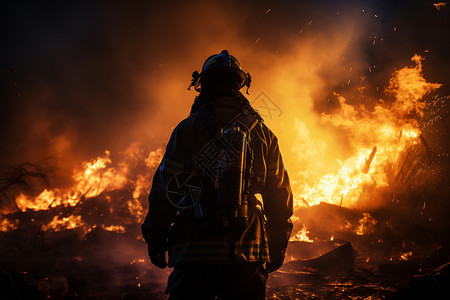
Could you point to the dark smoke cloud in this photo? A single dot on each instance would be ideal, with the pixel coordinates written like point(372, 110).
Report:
point(79, 77)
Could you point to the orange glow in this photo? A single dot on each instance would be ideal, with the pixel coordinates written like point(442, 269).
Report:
point(43, 201)
point(439, 5)
point(95, 177)
point(58, 224)
point(366, 224)
point(378, 139)
point(409, 87)
point(302, 236)
point(6, 225)
point(406, 255)
point(115, 228)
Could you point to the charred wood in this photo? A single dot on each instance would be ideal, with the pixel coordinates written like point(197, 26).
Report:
point(369, 160)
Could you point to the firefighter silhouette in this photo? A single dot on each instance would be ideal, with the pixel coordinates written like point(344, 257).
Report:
point(203, 206)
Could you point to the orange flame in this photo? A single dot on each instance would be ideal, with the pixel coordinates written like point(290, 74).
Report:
point(409, 87)
point(7, 225)
point(94, 178)
point(58, 224)
point(378, 138)
point(302, 236)
point(406, 255)
point(43, 201)
point(366, 224)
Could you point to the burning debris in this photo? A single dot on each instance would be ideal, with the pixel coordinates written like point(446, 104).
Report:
point(380, 139)
point(370, 171)
point(106, 200)
point(69, 228)
point(98, 179)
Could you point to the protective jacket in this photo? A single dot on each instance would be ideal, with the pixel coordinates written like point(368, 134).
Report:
point(174, 228)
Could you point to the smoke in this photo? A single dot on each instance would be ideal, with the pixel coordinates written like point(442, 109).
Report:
point(80, 78)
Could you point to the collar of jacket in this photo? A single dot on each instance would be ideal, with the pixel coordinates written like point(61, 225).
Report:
point(221, 104)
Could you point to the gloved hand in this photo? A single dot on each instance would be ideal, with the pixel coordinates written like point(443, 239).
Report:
point(158, 258)
point(276, 261)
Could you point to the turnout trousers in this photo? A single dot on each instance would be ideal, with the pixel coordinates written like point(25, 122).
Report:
point(202, 281)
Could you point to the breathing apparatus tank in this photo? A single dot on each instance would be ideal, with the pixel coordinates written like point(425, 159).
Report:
point(230, 177)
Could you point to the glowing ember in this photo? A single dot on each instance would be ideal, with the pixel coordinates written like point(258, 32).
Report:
point(7, 225)
point(302, 236)
point(406, 255)
point(439, 5)
point(58, 224)
point(366, 224)
point(115, 228)
point(139, 260)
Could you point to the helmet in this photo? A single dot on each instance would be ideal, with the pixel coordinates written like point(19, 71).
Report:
point(219, 63)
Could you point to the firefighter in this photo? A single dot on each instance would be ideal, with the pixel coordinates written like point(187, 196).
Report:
point(221, 200)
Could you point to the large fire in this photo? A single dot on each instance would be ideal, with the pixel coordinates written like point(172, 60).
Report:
point(380, 139)
point(92, 93)
point(96, 177)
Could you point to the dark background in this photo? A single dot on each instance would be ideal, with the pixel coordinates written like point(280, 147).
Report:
point(79, 77)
